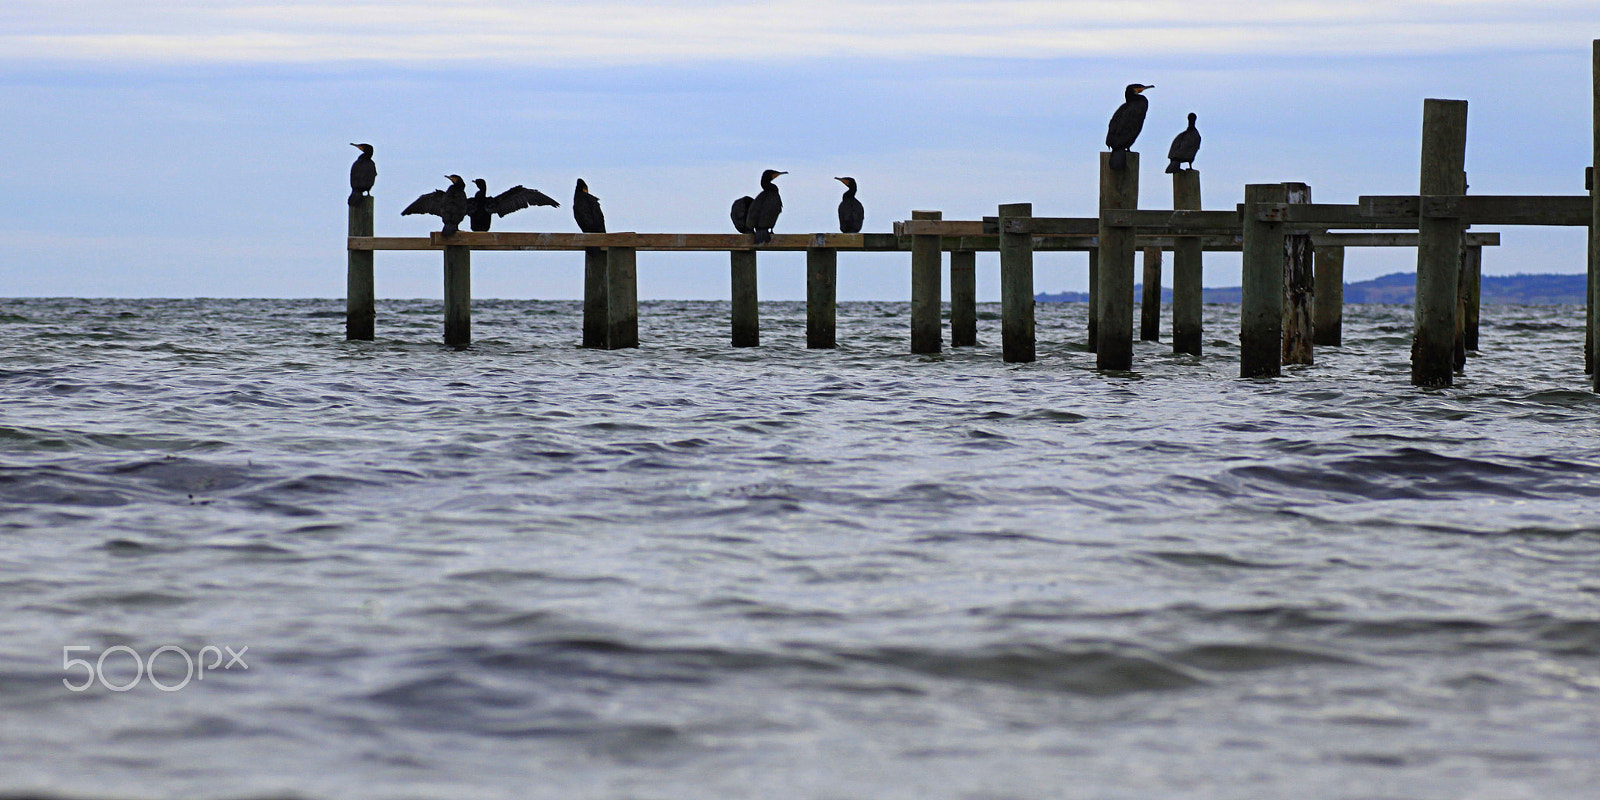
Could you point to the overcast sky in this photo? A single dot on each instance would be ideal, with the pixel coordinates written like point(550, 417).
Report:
point(201, 148)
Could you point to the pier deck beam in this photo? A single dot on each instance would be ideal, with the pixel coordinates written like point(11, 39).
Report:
point(457, 296)
point(1187, 269)
point(746, 311)
point(822, 297)
point(1016, 288)
point(1119, 189)
point(1327, 300)
point(360, 299)
point(963, 298)
point(1439, 243)
point(1261, 304)
point(926, 260)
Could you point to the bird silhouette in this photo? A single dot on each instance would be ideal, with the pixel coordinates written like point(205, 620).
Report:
point(1126, 124)
point(1184, 147)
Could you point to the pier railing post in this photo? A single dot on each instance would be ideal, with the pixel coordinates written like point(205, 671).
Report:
point(622, 298)
point(1094, 298)
point(746, 313)
point(596, 298)
point(822, 297)
point(360, 301)
point(1119, 189)
point(1327, 301)
point(963, 298)
point(1016, 287)
point(457, 295)
point(926, 258)
point(1187, 269)
point(1439, 242)
point(1150, 301)
point(1298, 285)
point(1261, 303)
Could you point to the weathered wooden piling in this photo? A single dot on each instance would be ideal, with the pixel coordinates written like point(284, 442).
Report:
point(1298, 288)
point(963, 298)
point(1150, 301)
point(1261, 306)
point(457, 296)
point(622, 298)
point(1094, 302)
point(360, 298)
point(1471, 292)
point(1594, 223)
point(1327, 302)
point(746, 312)
point(926, 303)
point(1016, 287)
point(822, 297)
point(1439, 242)
point(1119, 189)
point(596, 309)
point(1187, 269)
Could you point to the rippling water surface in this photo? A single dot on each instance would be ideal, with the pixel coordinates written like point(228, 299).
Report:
point(692, 571)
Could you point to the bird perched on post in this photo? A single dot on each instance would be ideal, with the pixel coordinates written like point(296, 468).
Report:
point(362, 173)
point(1126, 124)
point(1184, 147)
point(586, 210)
point(765, 208)
point(481, 207)
point(450, 204)
point(850, 211)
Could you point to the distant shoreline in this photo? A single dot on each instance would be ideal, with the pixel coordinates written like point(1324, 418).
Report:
point(1400, 287)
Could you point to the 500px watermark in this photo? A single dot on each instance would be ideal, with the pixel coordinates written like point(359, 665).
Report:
point(194, 667)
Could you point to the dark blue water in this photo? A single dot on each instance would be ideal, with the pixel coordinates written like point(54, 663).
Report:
point(687, 570)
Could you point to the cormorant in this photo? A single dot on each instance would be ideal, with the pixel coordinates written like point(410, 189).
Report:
point(764, 210)
point(482, 207)
point(850, 211)
point(1184, 147)
point(586, 210)
point(362, 173)
point(449, 205)
point(1126, 124)
point(740, 214)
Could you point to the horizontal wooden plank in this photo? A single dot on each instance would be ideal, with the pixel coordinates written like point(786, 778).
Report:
point(389, 243)
point(1483, 209)
point(517, 240)
point(940, 227)
point(1174, 223)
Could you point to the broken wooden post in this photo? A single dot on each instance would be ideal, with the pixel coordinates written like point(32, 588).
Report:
point(1439, 241)
point(457, 295)
point(1261, 303)
point(746, 315)
point(1094, 302)
point(963, 298)
point(360, 299)
point(1187, 270)
point(1297, 285)
point(926, 303)
point(1016, 286)
point(822, 297)
point(595, 302)
point(1327, 301)
point(1150, 301)
point(622, 298)
point(1119, 189)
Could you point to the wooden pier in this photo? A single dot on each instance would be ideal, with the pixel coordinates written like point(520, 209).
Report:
point(1293, 257)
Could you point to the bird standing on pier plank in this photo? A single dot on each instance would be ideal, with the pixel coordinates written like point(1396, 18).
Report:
point(363, 173)
point(450, 204)
point(586, 210)
point(481, 206)
point(1184, 147)
point(1126, 124)
point(764, 210)
point(850, 211)
point(740, 214)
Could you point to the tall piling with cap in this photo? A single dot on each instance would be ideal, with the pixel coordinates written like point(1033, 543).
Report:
point(1119, 190)
point(1439, 241)
point(1261, 303)
point(1016, 286)
point(360, 299)
point(1298, 287)
point(822, 297)
point(926, 301)
point(963, 298)
point(746, 309)
point(457, 295)
point(1187, 269)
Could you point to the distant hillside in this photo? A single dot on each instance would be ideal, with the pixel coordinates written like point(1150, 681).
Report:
point(1530, 290)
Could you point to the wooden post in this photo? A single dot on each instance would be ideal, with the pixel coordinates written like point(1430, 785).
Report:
point(1150, 305)
point(622, 295)
point(596, 304)
point(1094, 299)
point(1119, 189)
point(926, 260)
point(1594, 224)
point(457, 295)
point(1327, 302)
point(1261, 306)
point(1439, 241)
point(963, 298)
point(1016, 287)
point(1297, 285)
point(1472, 295)
point(1187, 269)
point(822, 297)
point(360, 300)
point(746, 315)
